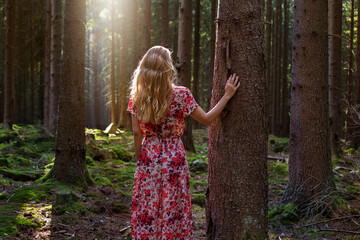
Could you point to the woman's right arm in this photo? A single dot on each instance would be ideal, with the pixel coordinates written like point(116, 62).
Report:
point(232, 84)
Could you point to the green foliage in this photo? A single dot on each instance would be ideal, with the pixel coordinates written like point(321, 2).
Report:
point(280, 169)
point(277, 144)
point(285, 214)
point(198, 199)
point(23, 196)
point(25, 223)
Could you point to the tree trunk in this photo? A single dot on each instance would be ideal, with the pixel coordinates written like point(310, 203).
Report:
point(184, 61)
point(32, 62)
point(112, 67)
point(357, 127)
point(212, 48)
point(47, 51)
point(165, 23)
point(147, 25)
point(335, 88)
point(309, 163)
point(70, 149)
point(196, 50)
point(175, 27)
point(238, 138)
point(56, 62)
point(2, 53)
point(350, 99)
point(268, 29)
point(285, 92)
point(9, 84)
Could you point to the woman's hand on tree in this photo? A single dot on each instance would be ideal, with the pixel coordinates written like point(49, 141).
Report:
point(232, 84)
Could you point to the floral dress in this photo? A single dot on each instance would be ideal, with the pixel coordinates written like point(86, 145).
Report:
point(161, 202)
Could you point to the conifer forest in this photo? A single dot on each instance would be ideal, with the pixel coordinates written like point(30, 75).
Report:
point(282, 160)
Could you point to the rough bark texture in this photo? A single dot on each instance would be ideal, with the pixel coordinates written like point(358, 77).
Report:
point(284, 131)
point(147, 25)
point(165, 23)
point(335, 88)
point(9, 85)
point(184, 61)
point(2, 48)
point(56, 62)
point(238, 138)
point(349, 98)
point(47, 51)
point(70, 149)
point(32, 60)
point(310, 162)
point(357, 119)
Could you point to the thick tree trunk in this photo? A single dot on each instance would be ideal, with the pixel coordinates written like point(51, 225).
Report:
point(147, 25)
point(9, 84)
point(56, 62)
point(350, 98)
point(196, 50)
point(2, 48)
point(165, 23)
point(335, 88)
point(238, 138)
point(184, 61)
point(285, 92)
point(47, 51)
point(70, 150)
point(310, 163)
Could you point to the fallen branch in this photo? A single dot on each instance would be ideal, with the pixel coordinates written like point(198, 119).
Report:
point(282, 159)
point(124, 229)
point(329, 220)
point(339, 230)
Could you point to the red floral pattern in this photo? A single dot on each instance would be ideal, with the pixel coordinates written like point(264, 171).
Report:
point(161, 203)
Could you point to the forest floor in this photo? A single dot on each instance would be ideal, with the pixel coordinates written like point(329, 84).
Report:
point(32, 208)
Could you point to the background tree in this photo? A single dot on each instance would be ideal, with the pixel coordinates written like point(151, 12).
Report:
point(184, 61)
point(310, 163)
point(335, 88)
point(47, 51)
point(70, 150)
point(165, 23)
point(196, 51)
point(9, 84)
point(147, 25)
point(239, 136)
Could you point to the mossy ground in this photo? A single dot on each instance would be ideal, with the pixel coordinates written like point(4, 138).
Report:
point(49, 210)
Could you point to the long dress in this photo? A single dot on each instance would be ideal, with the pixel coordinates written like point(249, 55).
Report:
point(161, 201)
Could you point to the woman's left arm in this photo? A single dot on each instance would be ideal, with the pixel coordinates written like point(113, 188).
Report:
point(137, 136)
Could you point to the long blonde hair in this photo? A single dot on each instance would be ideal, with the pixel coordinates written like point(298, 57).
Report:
point(152, 85)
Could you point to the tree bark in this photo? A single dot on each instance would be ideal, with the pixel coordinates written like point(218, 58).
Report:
point(238, 138)
point(268, 29)
point(196, 50)
point(212, 48)
point(32, 61)
point(357, 119)
point(70, 149)
point(350, 98)
point(56, 62)
point(147, 25)
point(335, 88)
point(285, 92)
point(310, 172)
point(112, 67)
point(9, 84)
point(165, 23)
point(47, 51)
point(184, 61)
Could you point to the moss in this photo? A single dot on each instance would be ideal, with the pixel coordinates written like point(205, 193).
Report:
point(90, 161)
point(281, 169)
point(19, 175)
point(286, 214)
point(25, 223)
point(277, 144)
point(71, 207)
point(7, 135)
point(5, 162)
point(23, 196)
point(103, 181)
point(198, 199)
point(7, 226)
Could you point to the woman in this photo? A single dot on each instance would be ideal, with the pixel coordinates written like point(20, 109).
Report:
point(161, 203)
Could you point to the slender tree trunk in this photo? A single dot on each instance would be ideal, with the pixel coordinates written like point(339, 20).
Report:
point(175, 28)
point(335, 88)
point(32, 61)
point(70, 150)
point(212, 48)
point(147, 25)
point(2, 48)
point(9, 84)
point(239, 135)
point(20, 76)
point(165, 23)
point(357, 127)
point(56, 62)
point(350, 99)
point(310, 163)
point(47, 51)
point(112, 67)
point(268, 29)
point(184, 61)
point(285, 92)
point(196, 50)
point(134, 35)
